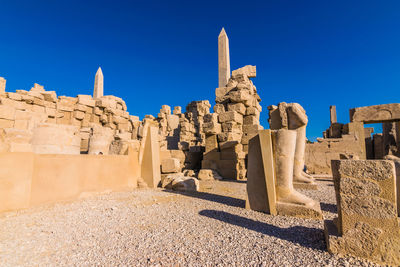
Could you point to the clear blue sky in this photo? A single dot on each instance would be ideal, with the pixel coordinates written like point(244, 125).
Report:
point(317, 53)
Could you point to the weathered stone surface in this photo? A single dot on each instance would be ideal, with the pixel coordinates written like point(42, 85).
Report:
point(231, 116)
point(367, 224)
point(86, 100)
point(359, 188)
point(249, 71)
point(374, 207)
point(37, 88)
point(238, 107)
point(377, 170)
point(7, 113)
point(179, 182)
point(208, 174)
point(171, 165)
point(376, 114)
point(55, 139)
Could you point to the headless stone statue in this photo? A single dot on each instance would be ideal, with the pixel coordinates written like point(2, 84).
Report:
point(292, 116)
point(289, 147)
point(276, 162)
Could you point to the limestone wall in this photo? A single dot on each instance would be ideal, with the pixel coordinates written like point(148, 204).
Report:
point(28, 179)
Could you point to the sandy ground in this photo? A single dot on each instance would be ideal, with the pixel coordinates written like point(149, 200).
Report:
point(149, 227)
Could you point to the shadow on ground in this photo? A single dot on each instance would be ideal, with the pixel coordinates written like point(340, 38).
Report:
point(304, 236)
point(230, 201)
point(328, 207)
point(233, 181)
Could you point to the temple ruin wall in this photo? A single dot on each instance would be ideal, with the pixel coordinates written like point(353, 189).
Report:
point(28, 179)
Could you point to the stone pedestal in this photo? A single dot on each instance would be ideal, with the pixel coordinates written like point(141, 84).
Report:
point(367, 224)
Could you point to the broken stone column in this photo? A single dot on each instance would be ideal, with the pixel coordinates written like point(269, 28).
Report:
point(100, 140)
point(224, 68)
point(2, 85)
point(98, 90)
point(51, 138)
point(367, 225)
point(270, 176)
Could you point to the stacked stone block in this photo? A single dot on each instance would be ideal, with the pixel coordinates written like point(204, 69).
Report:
point(21, 112)
point(235, 121)
point(183, 133)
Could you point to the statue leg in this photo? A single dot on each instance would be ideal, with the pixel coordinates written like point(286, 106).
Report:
point(284, 152)
point(298, 169)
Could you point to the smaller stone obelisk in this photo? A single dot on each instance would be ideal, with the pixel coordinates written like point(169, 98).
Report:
point(2, 85)
point(224, 65)
point(98, 84)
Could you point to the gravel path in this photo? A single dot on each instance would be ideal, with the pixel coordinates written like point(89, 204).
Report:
point(160, 228)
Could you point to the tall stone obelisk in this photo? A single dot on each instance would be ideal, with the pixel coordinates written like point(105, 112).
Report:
point(224, 65)
point(98, 84)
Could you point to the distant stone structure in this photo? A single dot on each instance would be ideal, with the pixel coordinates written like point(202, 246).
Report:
point(340, 141)
point(98, 90)
point(368, 222)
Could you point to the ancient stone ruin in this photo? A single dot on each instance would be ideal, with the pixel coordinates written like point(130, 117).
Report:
point(74, 145)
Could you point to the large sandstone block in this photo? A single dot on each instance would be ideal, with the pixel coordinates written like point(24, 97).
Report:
point(252, 120)
point(66, 103)
point(7, 112)
point(249, 71)
point(375, 114)
point(37, 88)
point(242, 96)
point(86, 100)
point(367, 225)
point(50, 96)
point(233, 127)
point(171, 165)
point(56, 139)
point(14, 96)
point(231, 116)
point(220, 92)
point(177, 110)
point(208, 174)
point(219, 108)
point(238, 107)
